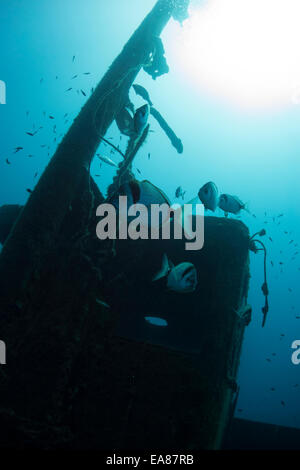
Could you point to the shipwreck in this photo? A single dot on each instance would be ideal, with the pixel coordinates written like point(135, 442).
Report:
point(85, 368)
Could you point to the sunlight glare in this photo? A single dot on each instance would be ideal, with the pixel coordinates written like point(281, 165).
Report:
point(246, 51)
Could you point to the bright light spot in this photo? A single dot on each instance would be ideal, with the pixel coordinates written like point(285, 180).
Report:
point(246, 51)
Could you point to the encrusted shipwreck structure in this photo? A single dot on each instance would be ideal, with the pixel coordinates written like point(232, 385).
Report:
point(85, 369)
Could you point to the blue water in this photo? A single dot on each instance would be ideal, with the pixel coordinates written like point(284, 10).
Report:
point(254, 155)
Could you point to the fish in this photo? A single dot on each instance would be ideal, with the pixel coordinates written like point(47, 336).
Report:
point(144, 192)
point(75, 76)
point(29, 190)
point(17, 149)
point(30, 133)
point(86, 73)
point(181, 278)
point(140, 119)
point(125, 123)
point(156, 321)
point(101, 302)
point(7, 161)
point(141, 91)
point(84, 94)
point(208, 195)
point(69, 89)
point(107, 160)
point(73, 58)
point(231, 204)
point(149, 156)
point(244, 312)
point(51, 117)
point(179, 192)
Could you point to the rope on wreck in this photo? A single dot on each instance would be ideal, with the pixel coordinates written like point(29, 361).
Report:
point(264, 286)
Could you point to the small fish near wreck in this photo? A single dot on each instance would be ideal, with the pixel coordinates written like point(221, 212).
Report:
point(231, 204)
point(179, 193)
point(209, 196)
point(141, 91)
point(141, 192)
point(107, 160)
point(181, 278)
point(141, 118)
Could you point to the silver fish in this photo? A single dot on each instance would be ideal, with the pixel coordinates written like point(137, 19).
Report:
point(231, 204)
point(181, 278)
point(141, 118)
point(124, 121)
point(101, 302)
point(141, 91)
point(208, 195)
point(142, 192)
point(145, 193)
point(107, 160)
